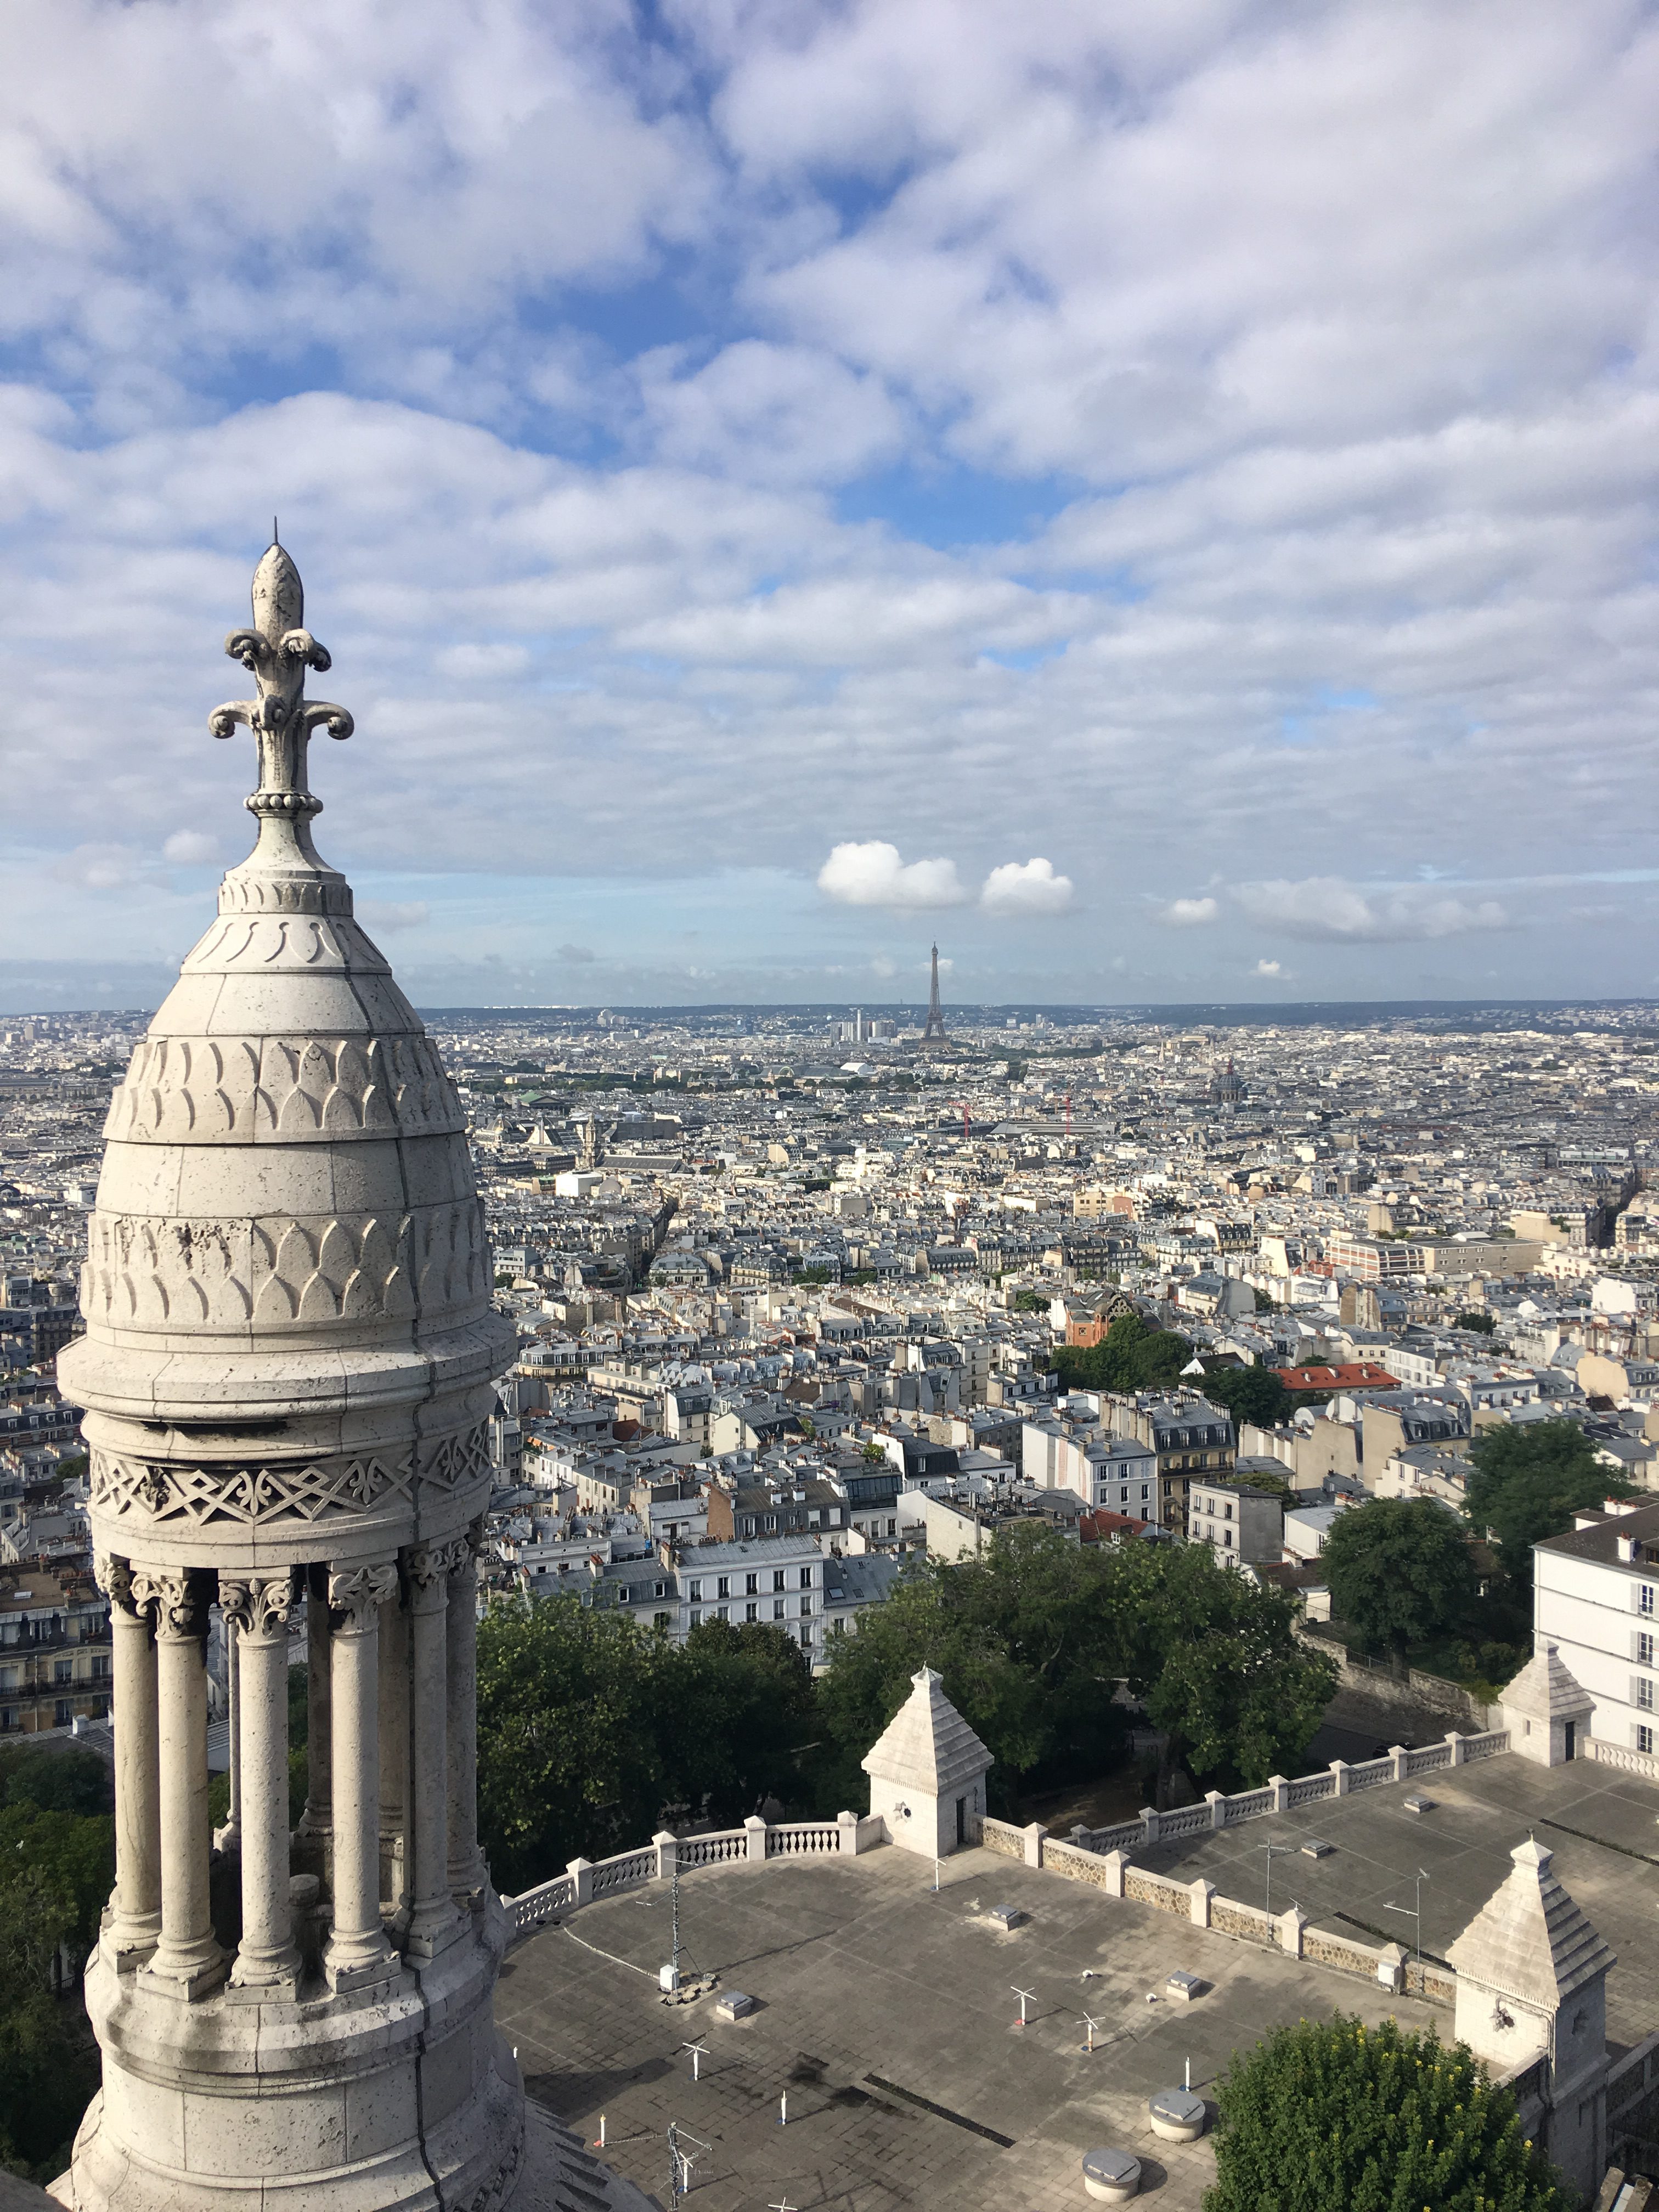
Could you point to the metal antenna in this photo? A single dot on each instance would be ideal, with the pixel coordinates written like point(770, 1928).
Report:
point(1091, 2024)
point(1413, 1913)
point(1022, 1995)
point(681, 2161)
point(699, 2053)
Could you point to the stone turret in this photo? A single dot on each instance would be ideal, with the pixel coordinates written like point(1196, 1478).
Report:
point(927, 1773)
point(1547, 1711)
point(1532, 2005)
point(287, 1373)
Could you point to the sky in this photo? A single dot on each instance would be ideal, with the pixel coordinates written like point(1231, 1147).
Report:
point(1158, 496)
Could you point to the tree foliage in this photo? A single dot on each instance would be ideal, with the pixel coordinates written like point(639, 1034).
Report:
point(1331, 2115)
point(56, 1867)
point(1033, 1638)
point(591, 1728)
point(1249, 1393)
point(1132, 1355)
point(1398, 1571)
point(1476, 1318)
point(1527, 1482)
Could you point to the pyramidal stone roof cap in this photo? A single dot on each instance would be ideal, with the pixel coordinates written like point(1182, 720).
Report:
point(927, 1746)
point(1529, 1940)
point(1544, 1690)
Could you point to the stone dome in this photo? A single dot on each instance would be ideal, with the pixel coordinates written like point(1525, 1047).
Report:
point(287, 1284)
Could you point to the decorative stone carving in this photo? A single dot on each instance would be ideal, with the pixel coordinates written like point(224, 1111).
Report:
point(454, 1461)
point(113, 1576)
point(426, 1564)
point(181, 1604)
point(258, 1608)
point(310, 1490)
point(276, 650)
point(149, 1273)
point(203, 1089)
point(355, 1594)
point(500, 2187)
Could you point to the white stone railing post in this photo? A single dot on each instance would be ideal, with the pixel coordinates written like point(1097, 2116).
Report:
point(581, 1872)
point(754, 1829)
point(1401, 1759)
point(1202, 1891)
point(267, 1959)
point(1339, 1776)
point(1149, 1824)
point(134, 1924)
point(1034, 1835)
point(1281, 1789)
point(1454, 1745)
point(1391, 1968)
point(1217, 1802)
point(1116, 1864)
point(187, 1961)
point(847, 1825)
point(358, 1954)
point(668, 1854)
point(1291, 1921)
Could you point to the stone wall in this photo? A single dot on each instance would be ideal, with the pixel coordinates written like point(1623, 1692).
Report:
point(998, 1836)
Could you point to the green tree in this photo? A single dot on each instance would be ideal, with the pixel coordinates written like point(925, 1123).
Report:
point(1032, 1302)
point(735, 1710)
point(1473, 1318)
point(56, 1781)
point(1218, 1665)
point(1249, 1393)
point(1398, 1571)
point(1132, 1355)
point(1528, 1481)
point(48, 2063)
point(1331, 2115)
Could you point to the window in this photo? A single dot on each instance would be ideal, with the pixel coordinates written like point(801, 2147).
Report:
point(1228, 1512)
point(662, 1589)
point(1645, 1597)
point(750, 1586)
point(1645, 1694)
point(662, 1621)
point(693, 1591)
point(777, 1578)
point(752, 1612)
point(696, 1617)
point(892, 1528)
point(623, 1594)
point(1645, 1647)
point(724, 1613)
point(723, 1588)
point(1644, 1740)
point(1146, 1491)
point(1123, 1493)
point(63, 1670)
point(63, 1714)
point(806, 1579)
point(1227, 1538)
point(777, 1608)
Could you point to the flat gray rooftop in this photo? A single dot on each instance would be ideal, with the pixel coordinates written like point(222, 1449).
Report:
point(861, 1971)
point(1600, 1824)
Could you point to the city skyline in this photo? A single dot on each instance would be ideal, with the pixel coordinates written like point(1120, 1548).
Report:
point(1163, 502)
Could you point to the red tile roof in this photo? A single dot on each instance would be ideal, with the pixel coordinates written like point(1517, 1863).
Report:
point(1356, 1375)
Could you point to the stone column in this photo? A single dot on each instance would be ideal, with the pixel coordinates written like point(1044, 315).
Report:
point(393, 1719)
point(187, 1962)
point(315, 1831)
point(467, 1873)
point(229, 1837)
point(134, 1924)
point(434, 1921)
point(268, 1961)
point(358, 1953)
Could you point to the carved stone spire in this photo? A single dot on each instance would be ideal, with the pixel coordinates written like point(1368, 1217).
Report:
point(276, 649)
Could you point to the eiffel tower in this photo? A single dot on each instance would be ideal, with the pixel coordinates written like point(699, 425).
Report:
point(934, 1034)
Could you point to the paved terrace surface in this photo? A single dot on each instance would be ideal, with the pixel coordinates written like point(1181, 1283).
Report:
point(1600, 1824)
point(860, 1970)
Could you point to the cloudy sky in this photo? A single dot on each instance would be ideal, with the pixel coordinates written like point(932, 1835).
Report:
point(1160, 496)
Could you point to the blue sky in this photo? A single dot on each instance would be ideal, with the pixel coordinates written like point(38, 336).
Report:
point(1162, 497)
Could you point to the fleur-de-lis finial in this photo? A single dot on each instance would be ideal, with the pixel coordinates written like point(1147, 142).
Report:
point(277, 649)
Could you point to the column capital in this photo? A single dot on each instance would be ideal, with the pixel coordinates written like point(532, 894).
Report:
point(180, 1601)
point(429, 1566)
point(113, 1576)
point(259, 1605)
point(357, 1593)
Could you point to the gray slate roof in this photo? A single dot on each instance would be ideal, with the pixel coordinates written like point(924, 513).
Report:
point(927, 1746)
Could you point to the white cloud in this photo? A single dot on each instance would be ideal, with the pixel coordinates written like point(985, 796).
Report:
point(189, 848)
point(883, 968)
point(1328, 907)
point(389, 915)
point(874, 874)
point(1267, 968)
point(1188, 912)
point(101, 867)
point(1029, 887)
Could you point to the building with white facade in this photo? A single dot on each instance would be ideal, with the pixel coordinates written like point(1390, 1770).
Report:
point(1243, 1525)
point(1595, 1598)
